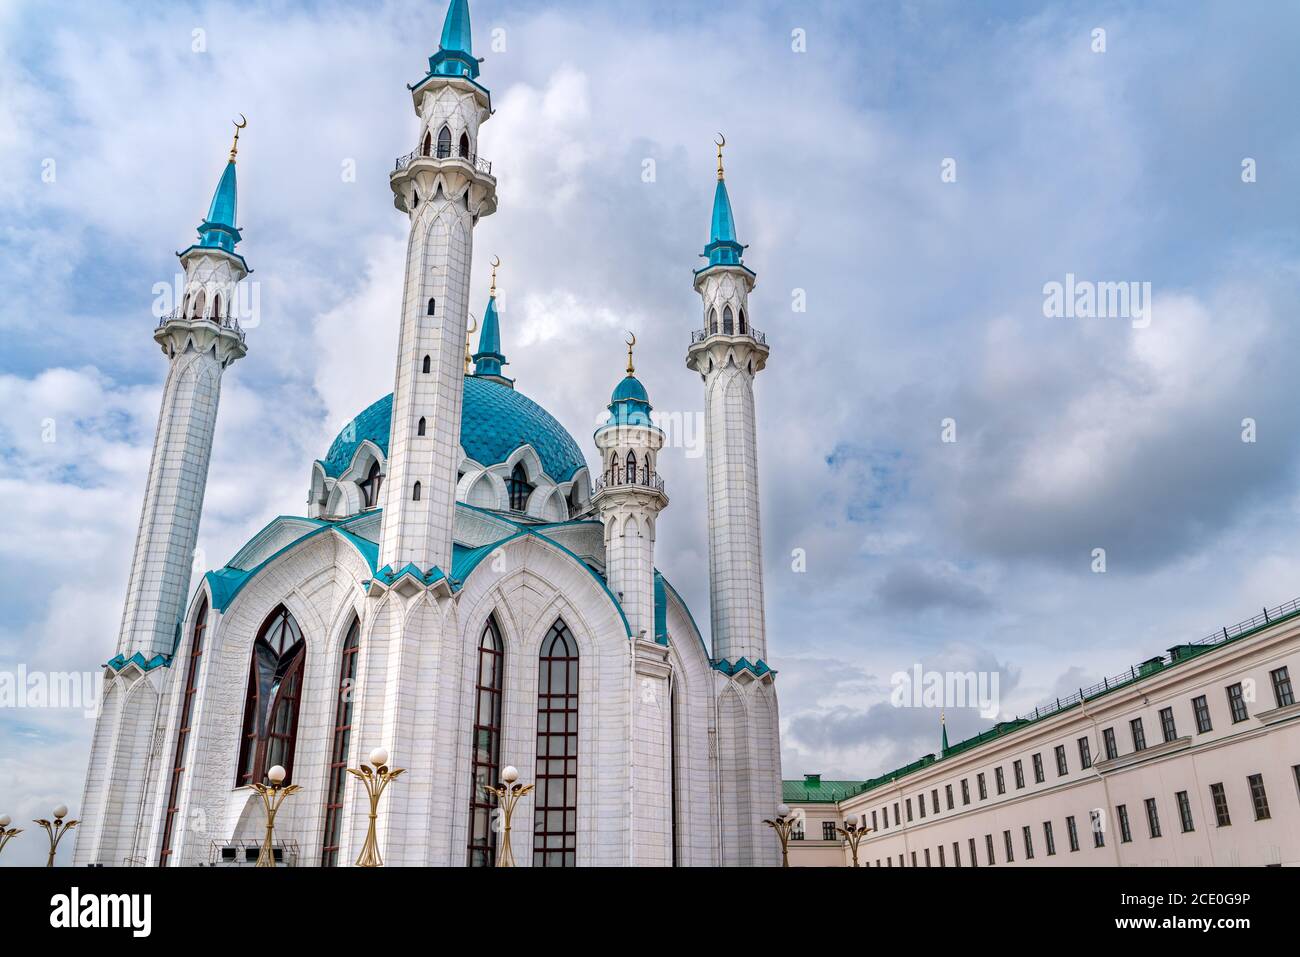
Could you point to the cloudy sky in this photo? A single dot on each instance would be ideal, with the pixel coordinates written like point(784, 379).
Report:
point(914, 172)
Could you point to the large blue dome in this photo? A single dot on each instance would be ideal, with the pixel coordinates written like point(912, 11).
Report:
point(495, 421)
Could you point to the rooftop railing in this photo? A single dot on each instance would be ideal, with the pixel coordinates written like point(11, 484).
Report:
point(225, 322)
point(699, 335)
point(444, 152)
point(618, 478)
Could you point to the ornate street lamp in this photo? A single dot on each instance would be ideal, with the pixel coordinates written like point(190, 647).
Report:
point(853, 832)
point(783, 823)
point(375, 776)
point(7, 832)
point(272, 797)
point(507, 795)
point(56, 829)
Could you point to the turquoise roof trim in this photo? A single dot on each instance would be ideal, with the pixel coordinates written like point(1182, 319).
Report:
point(226, 583)
point(757, 668)
point(661, 610)
point(119, 662)
point(495, 420)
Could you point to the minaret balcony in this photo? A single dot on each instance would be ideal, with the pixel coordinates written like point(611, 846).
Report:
point(477, 163)
point(699, 335)
point(619, 479)
point(228, 323)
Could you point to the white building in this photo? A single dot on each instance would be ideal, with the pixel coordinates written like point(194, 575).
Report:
point(1190, 759)
point(501, 607)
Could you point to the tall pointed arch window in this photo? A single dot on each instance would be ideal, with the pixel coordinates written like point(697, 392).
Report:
point(183, 735)
point(519, 488)
point(426, 145)
point(555, 810)
point(338, 774)
point(370, 487)
point(271, 704)
point(744, 326)
point(713, 321)
point(485, 746)
point(727, 321)
point(464, 145)
point(420, 427)
point(629, 468)
point(444, 143)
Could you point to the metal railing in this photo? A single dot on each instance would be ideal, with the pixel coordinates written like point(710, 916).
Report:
point(699, 335)
point(618, 478)
point(442, 153)
point(225, 322)
point(1181, 652)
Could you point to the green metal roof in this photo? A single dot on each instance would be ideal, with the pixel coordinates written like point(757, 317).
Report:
point(1177, 655)
point(812, 789)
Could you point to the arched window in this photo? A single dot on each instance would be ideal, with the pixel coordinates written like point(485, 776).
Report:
point(647, 468)
point(216, 307)
point(429, 310)
point(415, 493)
point(744, 326)
point(555, 808)
point(428, 363)
point(370, 487)
point(444, 143)
point(613, 468)
point(183, 735)
point(197, 312)
point(419, 429)
point(428, 143)
point(519, 488)
point(339, 749)
point(713, 322)
point(630, 469)
point(464, 145)
point(726, 321)
point(271, 705)
point(485, 746)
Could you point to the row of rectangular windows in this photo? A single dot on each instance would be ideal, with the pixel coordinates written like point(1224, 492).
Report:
point(1282, 693)
point(1258, 798)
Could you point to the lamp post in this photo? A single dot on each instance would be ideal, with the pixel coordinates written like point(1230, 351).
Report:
point(56, 829)
point(507, 795)
point(272, 797)
point(6, 832)
point(375, 776)
point(853, 832)
point(783, 823)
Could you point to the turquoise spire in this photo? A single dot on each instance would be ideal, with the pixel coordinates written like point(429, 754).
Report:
point(455, 56)
point(630, 403)
point(723, 249)
point(489, 359)
point(218, 230)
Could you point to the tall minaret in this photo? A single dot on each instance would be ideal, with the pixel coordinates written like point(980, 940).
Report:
point(200, 339)
point(444, 187)
point(727, 353)
point(629, 497)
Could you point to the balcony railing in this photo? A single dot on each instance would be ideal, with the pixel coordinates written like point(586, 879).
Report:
point(619, 478)
point(444, 152)
point(225, 322)
point(699, 335)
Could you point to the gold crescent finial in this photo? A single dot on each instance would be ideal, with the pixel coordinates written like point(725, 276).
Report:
point(630, 343)
point(234, 146)
point(469, 331)
point(721, 141)
point(496, 261)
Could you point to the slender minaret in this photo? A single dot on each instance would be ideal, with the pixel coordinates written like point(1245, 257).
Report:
point(629, 497)
point(728, 353)
point(200, 339)
point(444, 188)
point(489, 359)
